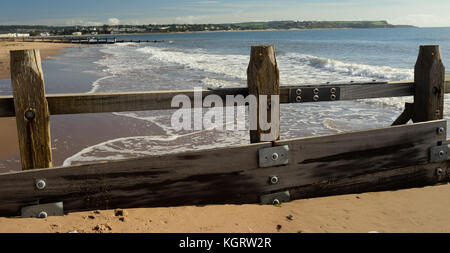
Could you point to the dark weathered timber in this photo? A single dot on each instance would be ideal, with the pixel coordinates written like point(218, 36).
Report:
point(161, 100)
point(429, 78)
point(227, 175)
point(403, 178)
point(405, 116)
point(263, 78)
point(33, 131)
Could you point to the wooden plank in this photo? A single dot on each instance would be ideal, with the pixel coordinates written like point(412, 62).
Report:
point(229, 175)
point(77, 103)
point(31, 109)
point(429, 77)
point(263, 79)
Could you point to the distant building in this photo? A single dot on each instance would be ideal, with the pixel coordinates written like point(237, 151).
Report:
point(77, 33)
point(14, 35)
point(45, 34)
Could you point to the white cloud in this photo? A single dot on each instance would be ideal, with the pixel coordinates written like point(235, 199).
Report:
point(423, 20)
point(113, 21)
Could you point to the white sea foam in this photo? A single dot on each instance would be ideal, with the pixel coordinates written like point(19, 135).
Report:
point(142, 63)
point(96, 84)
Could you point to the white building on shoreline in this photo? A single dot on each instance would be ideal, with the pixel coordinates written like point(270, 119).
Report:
point(14, 35)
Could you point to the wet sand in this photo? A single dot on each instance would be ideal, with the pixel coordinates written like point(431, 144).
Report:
point(9, 146)
point(47, 50)
point(72, 133)
point(412, 210)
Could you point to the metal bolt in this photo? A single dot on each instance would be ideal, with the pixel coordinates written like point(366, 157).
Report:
point(298, 92)
point(316, 91)
point(316, 98)
point(275, 156)
point(40, 184)
point(299, 99)
point(439, 171)
point(269, 105)
point(30, 114)
point(273, 180)
point(333, 97)
point(441, 130)
point(42, 215)
point(333, 90)
point(441, 153)
point(276, 202)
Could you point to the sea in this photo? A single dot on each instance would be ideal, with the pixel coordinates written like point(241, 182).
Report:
point(219, 60)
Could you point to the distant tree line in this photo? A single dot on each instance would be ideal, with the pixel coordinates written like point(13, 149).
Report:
point(162, 28)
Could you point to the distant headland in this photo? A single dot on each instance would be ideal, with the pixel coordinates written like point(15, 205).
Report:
point(40, 30)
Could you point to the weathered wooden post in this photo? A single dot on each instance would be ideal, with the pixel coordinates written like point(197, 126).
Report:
point(31, 109)
point(429, 79)
point(429, 88)
point(263, 78)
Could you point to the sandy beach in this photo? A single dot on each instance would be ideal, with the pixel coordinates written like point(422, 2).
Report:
point(411, 210)
point(47, 50)
point(8, 134)
point(405, 211)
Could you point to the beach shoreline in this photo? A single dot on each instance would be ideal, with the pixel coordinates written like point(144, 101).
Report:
point(9, 147)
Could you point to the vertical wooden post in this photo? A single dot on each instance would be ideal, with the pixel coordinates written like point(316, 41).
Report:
point(32, 114)
point(429, 78)
point(263, 78)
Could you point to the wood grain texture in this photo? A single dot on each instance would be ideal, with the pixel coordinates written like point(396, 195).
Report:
point(263, 78)
point(429, 77)
point(231, 175)
point(28, 88)
point(161, 100)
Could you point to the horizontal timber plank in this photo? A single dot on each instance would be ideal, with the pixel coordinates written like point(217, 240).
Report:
point(211, 177)
point(161, 100)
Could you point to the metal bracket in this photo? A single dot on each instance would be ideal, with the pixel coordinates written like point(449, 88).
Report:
point(274, 156)
point(314, 94)
point(440, 153)
point(43, 211)
point(275, 198)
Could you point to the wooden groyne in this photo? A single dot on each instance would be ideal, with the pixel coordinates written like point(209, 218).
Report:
point(268, 171)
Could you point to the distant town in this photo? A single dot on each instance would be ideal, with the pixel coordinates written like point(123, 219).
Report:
point(18, 31)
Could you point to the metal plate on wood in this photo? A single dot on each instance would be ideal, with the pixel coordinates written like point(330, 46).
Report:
point(42, 211)
point(274, 156)
point(314, 94)
point(275, 198)
point(440, 153)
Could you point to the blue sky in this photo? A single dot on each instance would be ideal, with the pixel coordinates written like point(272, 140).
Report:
point(424, 13)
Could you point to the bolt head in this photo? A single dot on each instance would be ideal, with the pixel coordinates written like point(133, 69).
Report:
point(273, 180)
point(298, 92)
point(42, 215)
point(30, 114)
point(316, 98)
point(299, 99)
point(275, 156)
point(40, 184)
point(316, 91)
point(441, 153)
point(276, 202)
point(439, 171)
point(333, 97)
point(333, 90)
point(441, 130)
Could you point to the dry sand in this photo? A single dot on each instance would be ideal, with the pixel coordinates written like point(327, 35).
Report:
point(412, 210)
point(46, 49)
